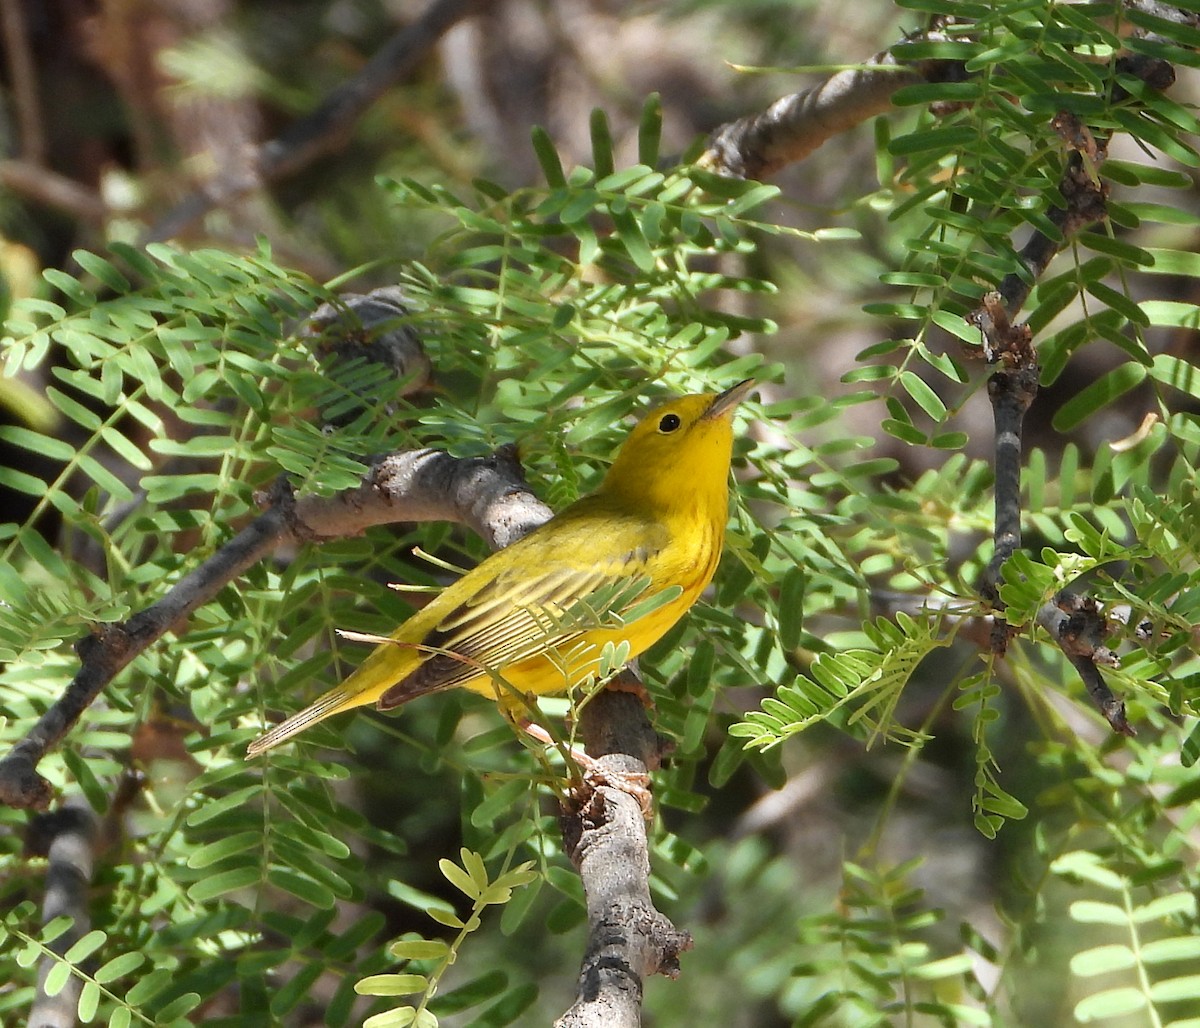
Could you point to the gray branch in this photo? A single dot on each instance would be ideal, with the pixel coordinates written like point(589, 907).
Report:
point(73, 832)
point(605, 835)
point(758, 146)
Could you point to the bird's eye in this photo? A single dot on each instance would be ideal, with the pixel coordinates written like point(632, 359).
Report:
point(669, 423)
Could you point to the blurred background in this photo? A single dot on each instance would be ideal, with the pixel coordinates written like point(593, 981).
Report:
point(120, 116)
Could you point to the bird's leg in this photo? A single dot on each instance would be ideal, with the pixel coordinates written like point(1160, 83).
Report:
point(592, 775)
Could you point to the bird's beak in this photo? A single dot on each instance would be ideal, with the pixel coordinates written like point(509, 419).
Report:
point(724, 402)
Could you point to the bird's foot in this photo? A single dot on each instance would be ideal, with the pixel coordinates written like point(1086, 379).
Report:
point(635, 784)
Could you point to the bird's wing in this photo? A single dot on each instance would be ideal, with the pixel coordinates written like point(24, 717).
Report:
point(549, 599)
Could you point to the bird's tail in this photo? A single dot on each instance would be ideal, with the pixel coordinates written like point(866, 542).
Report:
point(336, 700)
point(388, 663)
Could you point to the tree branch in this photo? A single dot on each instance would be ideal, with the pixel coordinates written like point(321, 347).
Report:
point(605, 834)
point(790, 129)
point(70, 837)
point(1013, 387)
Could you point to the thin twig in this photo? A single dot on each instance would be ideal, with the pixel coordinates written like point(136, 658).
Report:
point(1079, 627)
point(1012, 389)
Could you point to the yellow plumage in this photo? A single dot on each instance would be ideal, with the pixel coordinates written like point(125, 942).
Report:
point(657, 520)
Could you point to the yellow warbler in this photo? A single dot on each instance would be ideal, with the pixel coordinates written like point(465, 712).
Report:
point(512, 625)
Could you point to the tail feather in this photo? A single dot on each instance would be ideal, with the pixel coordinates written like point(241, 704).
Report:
point(386, 665)
point(333, 702)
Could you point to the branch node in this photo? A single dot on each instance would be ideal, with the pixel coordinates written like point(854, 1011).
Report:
point(1077, 625)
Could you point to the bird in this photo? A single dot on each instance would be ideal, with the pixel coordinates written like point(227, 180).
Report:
point(524, 620)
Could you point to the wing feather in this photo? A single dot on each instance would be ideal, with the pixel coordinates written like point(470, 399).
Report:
point(509, 618)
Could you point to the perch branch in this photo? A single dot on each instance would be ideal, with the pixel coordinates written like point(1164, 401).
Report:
point(760, 145)
point(328, 126)
point(605, 835)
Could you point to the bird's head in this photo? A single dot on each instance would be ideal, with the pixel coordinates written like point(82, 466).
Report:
point(679, 453)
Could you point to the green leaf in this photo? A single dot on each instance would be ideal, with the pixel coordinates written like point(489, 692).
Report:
point(948, 139)
point(629, 232)
point(1161, 951)
point(101, 269)
point(446, 917)
point(925, 397)
point(89, 1002)
point(1102, 960)
point(1118, 302)
point(301, 886)
point(602, 144)
point(1178, 904)
point(86, 946)
point(547, 156)
point(1109, 1003)
point(1176, 990)
point(1093, 912)
point(650, 130)
point(36, 442)
point(72, 409)
point(938, 92)
point(69, 287)
point(231, 801)
point(1098, 395)
point(178, 1007)
point(401, 1017)
point(391, 985)
point(1172, 313)
point(1177, 373)
point(231, 845)
point(418, 949)
point(791, 607)
point(947, 967)
point(149, 986)
point(212, 886)
point(56, 979)
point(119, 967)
